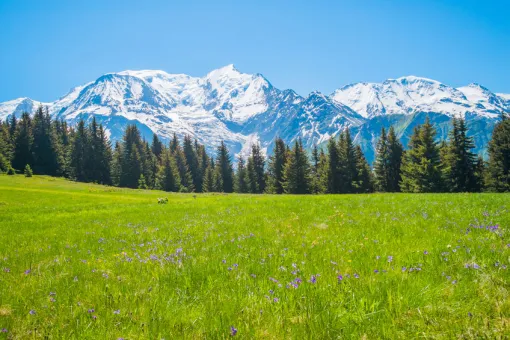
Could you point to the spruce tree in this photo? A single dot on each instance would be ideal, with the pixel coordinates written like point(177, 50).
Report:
point(421, 168)
point(241, 186)
point(459, 163)
point(498, 167)
point(168, 175)
point(382, 163)
point(131, 167)
point(395, 154)
point(334, 179)
point(45, 148)
point(23, 139)
point(275, 167)
point(182, 166)
point(208, 183)
point(348, 171)
point(28, 171)
point(116, 168)
point(157, 147)
point(224, 168)
point(78, 158)
point(257, 158)
point(296, 173)
point(192, 162)
point(363, 182)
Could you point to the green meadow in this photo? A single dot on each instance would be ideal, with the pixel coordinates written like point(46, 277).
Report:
point(84, 261)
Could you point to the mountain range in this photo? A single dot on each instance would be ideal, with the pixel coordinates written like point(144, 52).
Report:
point(242, 109)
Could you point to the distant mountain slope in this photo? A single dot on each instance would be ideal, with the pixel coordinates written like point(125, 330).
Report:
point(244, 108)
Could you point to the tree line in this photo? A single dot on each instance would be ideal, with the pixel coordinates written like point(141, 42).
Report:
point(85, 154)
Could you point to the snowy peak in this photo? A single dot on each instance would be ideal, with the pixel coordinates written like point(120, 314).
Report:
point(411, 94)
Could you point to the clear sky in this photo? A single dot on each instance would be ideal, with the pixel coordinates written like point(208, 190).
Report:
point(47, 47)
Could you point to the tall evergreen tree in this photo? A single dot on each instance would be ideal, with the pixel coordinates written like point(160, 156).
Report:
point(208, 184)
point(395, 154)
point(317, 185)
point(297, 171)
point(459, 163)
point(23, 139)
point(168, 175)
point(192, 161)
point(275, 167)
point(131, 166)
point(334, 175)
point(157, 147)
point(182, 166)
point(45, 148)
point(498, 167)
point(382, 163)
point(241, 186)
point(348, 171)
point(78, 158)
point(258, 164)
point(363, 182)
point(224, 168)
point(421, 168)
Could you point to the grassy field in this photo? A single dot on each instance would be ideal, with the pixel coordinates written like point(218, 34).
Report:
point(85, 261)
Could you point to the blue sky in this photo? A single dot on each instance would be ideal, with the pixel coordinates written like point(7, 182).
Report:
point(47, 47)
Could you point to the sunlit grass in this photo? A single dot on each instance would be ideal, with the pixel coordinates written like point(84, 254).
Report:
point(105, 263)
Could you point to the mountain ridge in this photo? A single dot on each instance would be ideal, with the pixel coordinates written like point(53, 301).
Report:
point(242, 108)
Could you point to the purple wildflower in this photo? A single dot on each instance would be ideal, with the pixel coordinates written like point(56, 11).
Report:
point(404, 269)
point(390, 258)
point(356, 276)
point(229, 268)
point(28, 271)
point(340, 277)
point(233, 330)
point(7, 270)
point(425, 252)
point(313, 279)
point(273, 279)
point(376, 271)
point(475, 266)
point(276, 299)
point(117, 311)
point(91, 310)
point(94, 317)
point(32, 312)
point(224, 261)
point(4, 330)
point(235, 265)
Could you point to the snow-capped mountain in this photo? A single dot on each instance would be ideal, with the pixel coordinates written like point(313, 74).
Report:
point(245, 108)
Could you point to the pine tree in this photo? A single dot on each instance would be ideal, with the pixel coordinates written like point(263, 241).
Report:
point(131, 166)
point(297, 171)
point(182, 166)
point(208, 184)
point(224, 168)
point(334, 179)
point(395, 154)
point(348, 170)
point(421, 168)
point(157, 147)
point(116, 167)
point(275, 167)
point(459, 163)
point(258, 164)
point(251, 177)
point(46, 151)
point(241, 186)
point(498, 167)
point(382, 163)
point(23, 139)
point(192, 162)
point(363, 182)
point(174, 143)
point(142, 184)
point(78, 158)
point(321, 184)
point(105, 157)
point(316, 184)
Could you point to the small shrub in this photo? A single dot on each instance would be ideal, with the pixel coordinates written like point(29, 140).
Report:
point(11, 171)
point(163, 200)
point(28, 171)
